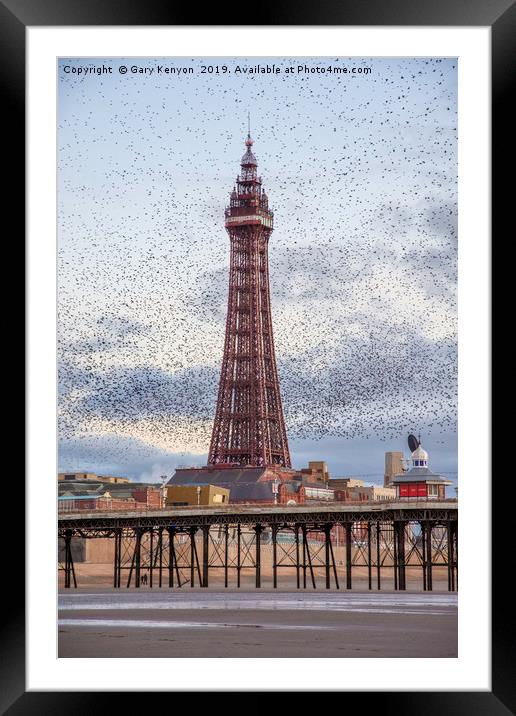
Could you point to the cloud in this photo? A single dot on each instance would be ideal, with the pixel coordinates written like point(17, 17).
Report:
point(362, 178)
point(116, 454)
point(361, 457)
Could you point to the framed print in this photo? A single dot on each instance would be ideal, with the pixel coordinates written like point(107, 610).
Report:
point(162, 330)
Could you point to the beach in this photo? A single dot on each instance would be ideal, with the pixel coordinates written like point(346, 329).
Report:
point(194, 622)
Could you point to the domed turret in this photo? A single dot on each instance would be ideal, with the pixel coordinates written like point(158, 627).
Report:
point(419, 457)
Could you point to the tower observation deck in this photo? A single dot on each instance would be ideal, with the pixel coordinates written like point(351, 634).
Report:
point(249, 428)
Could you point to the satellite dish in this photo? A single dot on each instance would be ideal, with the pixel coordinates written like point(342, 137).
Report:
point(413, 443)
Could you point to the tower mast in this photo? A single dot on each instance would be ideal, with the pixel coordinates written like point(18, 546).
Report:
point(249, 427)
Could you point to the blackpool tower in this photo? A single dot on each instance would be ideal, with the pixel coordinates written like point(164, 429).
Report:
point(249, 428)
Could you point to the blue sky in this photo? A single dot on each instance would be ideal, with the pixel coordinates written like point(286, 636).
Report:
point(361, 172)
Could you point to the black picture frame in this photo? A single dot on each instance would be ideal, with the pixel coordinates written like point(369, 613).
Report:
point(15, 17)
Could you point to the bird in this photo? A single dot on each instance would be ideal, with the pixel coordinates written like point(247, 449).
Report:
point(361, 173)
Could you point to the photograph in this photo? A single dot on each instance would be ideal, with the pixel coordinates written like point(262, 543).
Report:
point(257, 287)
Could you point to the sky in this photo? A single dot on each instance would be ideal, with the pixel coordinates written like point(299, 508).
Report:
point(361, 172)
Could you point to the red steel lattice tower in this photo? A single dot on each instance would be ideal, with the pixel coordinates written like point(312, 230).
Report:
point(249, 427)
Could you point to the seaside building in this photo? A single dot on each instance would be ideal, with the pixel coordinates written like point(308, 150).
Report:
point(74, 476)
point(352, 489)
point(90, 503)
point(344, 483)
point(420, 482)
point(394, 465)
point(320, 469)
point(366, 493)
point(98, 494)
point(259, 485)
point(318, 492)
point(244, 484)
point(185, 495)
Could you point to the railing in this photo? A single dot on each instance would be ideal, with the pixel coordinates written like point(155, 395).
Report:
point(228, 507)
point(245, 210)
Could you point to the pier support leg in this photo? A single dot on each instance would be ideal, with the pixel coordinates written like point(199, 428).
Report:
point(151, 555)
point(132, 566)
point(67, 565)
point(170, 557)
point(205, 555)
point(69, 568)
point(175, 563)
point(399, 535)
point(429, 556)
point(193, 557)
point(327, 544)
point(378, 556)
point(423, 553)
point(348, 528)
point(298, 584)
point(306, 551)
point(451, 555)
point(117, 567)
point(369, 565)
point(455, 555)
point(115, 561)
point(303, 529)
point(334, 564)
point(160, 549)
point(258, 560)
point(395, 552)
point(226, 554)
point(274, 556)
point(137, 558)
point(239, 562)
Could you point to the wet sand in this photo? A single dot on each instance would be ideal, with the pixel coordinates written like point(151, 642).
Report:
point(229, 623)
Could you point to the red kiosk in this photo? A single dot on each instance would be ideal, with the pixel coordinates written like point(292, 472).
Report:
point(419, 482)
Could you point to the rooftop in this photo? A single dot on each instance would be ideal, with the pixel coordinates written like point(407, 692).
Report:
point(420, 474)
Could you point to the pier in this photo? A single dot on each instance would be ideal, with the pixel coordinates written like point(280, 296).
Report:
point(184, 546)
